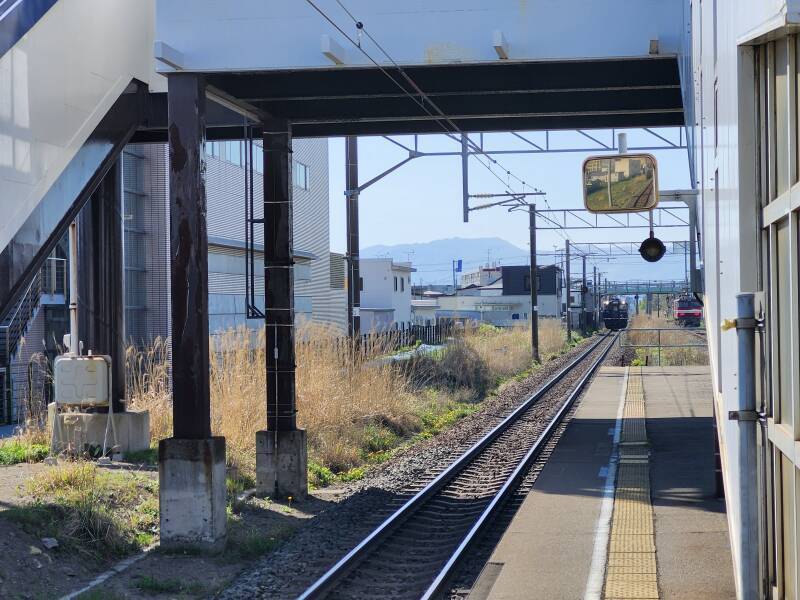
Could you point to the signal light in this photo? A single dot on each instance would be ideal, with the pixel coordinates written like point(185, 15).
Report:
point(652, 249)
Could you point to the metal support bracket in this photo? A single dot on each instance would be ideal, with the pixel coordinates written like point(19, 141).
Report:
point(743, 415)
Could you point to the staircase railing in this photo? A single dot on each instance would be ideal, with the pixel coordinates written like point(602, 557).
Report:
point(13, 327)
point(11, 331)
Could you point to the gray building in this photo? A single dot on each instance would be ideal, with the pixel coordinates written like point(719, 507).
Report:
point(318, 296)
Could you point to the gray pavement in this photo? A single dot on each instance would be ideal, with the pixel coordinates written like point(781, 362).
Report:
point(692, 544)
point(547, 551)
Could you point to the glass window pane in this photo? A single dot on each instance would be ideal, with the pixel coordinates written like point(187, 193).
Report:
point(784, 317)
point(787, 519)
point(235, 153)
point(781, 115)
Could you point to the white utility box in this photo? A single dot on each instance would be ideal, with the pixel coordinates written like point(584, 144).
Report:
point(82, 380)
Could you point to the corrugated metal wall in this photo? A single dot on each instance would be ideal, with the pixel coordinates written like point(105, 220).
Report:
point(146, 221)
point(225, 212)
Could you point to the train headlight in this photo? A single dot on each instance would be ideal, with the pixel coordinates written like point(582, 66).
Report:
point(652, 249)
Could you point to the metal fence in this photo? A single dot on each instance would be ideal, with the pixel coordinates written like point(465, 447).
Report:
point(663, 338)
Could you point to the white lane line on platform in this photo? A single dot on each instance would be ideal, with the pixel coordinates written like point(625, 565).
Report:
point(597, 570)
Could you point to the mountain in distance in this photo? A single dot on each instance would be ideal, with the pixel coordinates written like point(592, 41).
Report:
point(434, 260)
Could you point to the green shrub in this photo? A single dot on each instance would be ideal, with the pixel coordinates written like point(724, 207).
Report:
point(319, 475)
point(353, 474)
point(14, 452)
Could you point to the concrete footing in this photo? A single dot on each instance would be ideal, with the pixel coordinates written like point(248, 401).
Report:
point(282, 463)
point(191, 476)
point(81, 430)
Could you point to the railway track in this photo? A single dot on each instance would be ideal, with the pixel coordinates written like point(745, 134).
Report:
point(415, 551)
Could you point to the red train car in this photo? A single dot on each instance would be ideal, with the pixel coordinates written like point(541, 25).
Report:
point(687, 311)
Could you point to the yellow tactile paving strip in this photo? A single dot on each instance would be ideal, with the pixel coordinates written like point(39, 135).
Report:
point(631, 569)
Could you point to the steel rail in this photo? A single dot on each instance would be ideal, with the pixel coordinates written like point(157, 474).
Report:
point(513, 480)
point(331, 577)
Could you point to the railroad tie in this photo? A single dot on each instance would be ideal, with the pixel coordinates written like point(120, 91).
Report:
point(631, 569)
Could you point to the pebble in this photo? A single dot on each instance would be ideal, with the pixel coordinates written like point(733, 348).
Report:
point(50, 543)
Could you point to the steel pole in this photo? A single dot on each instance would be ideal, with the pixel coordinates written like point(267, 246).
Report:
point(73, 288)
point(465, 176)
point(354, 272)
point(694, 281)
point(583, 298)
point(279, 276)
point(595, 296)
point(748, 573)
point(534, 291)
point(569, 293)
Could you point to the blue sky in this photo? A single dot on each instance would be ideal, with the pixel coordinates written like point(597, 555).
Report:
point(421, 201)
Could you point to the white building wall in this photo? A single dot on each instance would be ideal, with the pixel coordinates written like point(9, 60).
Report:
point(725, 135)
point(378, 276)
point(314, 298)
point(418, 32)
point(377, 288)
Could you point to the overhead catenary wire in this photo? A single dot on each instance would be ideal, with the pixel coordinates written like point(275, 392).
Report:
point(424, 99)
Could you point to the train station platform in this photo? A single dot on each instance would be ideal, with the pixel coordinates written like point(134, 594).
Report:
point(625, 507)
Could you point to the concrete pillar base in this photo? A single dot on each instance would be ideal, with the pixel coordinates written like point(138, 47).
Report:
point(81, 430)
point(191, 476)
point(282, 464)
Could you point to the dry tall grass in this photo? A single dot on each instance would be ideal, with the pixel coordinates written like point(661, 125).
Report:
point(508, 351)
point(351, 403)
point(668, 356)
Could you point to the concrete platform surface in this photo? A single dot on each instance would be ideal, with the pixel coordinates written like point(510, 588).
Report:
point(547, 551)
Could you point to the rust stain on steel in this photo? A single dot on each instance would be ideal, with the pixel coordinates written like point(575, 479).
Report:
point(177, 153)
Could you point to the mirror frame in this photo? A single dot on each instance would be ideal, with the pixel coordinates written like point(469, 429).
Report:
point(612, 157)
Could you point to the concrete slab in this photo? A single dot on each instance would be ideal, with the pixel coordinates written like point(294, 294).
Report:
point(692, 544)
point(547, 551)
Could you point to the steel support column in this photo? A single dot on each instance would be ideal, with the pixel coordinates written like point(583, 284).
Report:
point(569, 292)
point(534, 291)
point(584, 328)
point(189, 256)
point(353, 271)
point(279, 276)
point(100, 270)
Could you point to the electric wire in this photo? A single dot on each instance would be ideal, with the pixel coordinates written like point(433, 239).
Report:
point(426, 98)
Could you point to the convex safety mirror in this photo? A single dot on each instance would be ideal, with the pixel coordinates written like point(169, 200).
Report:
point(625, 183)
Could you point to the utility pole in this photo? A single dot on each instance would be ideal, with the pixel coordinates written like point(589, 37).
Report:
point(583, 298)
point(534, 291)
point(595, 297)
point(353, 275)
point(569, 294)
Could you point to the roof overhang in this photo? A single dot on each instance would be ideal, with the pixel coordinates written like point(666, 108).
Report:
point(500, 96)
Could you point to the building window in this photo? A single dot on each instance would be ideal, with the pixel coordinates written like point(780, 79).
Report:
point(526, 283)
point(235, 153)
point(300, 175)
point(395, 283)
point(361, 284)
point(402, 284)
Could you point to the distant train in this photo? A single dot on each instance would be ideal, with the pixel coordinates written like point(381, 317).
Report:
point(615, 314)
point(687, 311)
